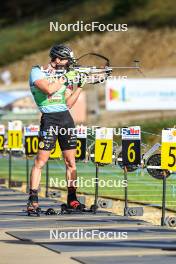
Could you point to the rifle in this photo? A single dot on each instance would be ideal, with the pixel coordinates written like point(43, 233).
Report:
point(92, 72)
point(95, 74)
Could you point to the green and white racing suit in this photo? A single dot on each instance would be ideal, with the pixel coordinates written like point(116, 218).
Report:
point(56, 117)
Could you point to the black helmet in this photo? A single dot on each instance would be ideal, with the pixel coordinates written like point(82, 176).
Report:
point(62, 52)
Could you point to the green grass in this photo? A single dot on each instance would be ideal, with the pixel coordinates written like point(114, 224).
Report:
point(142, 187)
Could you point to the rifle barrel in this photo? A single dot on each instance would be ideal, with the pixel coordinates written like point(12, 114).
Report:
point(125, 67)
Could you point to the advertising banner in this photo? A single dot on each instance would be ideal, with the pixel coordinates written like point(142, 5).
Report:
point(141, 94)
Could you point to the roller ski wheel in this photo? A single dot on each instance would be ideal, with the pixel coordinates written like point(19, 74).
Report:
point(33, 210)
point(50, 211)
point(74, 206)
point(93, 208)
point(64, 209)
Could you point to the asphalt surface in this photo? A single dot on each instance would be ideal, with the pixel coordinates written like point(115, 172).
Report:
point(78, 238)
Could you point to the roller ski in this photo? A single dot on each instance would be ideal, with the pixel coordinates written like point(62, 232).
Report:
point(38, 211)
point(81, 208)
point(32, 204)
point(73, 205)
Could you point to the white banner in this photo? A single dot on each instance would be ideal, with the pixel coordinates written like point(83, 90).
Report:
point(2, 130)
point(81, 131)
point(131, 132)
point(104, 133)
point(141, 94)
point(169, 135)
point(32, 130)
point(15, 125)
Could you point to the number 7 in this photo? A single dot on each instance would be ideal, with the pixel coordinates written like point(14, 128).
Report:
point(105, 145)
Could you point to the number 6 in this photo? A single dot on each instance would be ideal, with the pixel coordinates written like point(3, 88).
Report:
point(131, 153)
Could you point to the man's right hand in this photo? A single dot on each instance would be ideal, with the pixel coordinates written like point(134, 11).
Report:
point(48, 88)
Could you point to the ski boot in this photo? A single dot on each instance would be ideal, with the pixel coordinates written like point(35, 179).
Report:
point(73, 205)
point(32, 204)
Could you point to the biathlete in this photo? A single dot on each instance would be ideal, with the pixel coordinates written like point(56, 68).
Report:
point(54, 96)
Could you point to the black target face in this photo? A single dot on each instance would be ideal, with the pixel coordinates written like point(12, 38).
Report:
point(155, 160)
point(131, 152)
point(2, 140)
point(81, 148)
point(31, 145)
